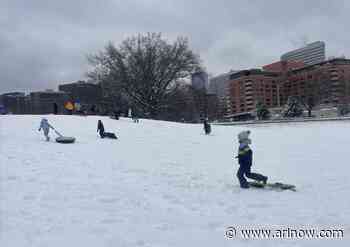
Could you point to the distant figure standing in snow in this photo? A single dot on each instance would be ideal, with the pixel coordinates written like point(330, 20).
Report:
point(100, 128)
point(103, 134)
point(116, 114)
point(135, 118)
point(245, 160)
point(133, 115)
point(55, 108)
point(44, 124)
point(207, 127)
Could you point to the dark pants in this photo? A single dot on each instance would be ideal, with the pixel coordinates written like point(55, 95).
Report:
point(207, 129)
point(102, 134)
point(245, 171)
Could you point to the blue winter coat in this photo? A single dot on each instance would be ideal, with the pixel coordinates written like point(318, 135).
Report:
point(245, 155)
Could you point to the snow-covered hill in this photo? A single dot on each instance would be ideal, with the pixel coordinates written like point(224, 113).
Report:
point(167, 184)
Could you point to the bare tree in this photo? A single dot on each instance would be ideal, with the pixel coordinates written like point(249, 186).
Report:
point(145, 68)
point(293, 107)
point(180, 104)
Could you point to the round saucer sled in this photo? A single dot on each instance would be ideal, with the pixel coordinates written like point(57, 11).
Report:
point(65, 139)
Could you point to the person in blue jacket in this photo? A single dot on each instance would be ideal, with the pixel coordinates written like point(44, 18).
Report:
point(245, 160)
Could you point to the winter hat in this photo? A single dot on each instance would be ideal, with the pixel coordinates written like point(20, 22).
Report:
point(243, 137)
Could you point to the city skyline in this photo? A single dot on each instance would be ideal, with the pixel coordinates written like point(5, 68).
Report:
point(44, 45)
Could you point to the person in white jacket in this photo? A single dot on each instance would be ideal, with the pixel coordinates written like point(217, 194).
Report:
point(44, 124)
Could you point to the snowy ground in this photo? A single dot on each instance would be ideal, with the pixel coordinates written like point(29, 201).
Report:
point(167, 184)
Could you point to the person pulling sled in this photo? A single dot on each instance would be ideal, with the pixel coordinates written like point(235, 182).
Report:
point(45, 126)
point(103, 134)
point(245, 160)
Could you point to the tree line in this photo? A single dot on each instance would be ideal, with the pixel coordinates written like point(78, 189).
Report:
point(149, 74)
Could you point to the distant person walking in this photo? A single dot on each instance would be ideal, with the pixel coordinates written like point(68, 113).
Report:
point(207, 127)
point(135, 118)
point(45, 126)
point(116, 114)
point(55, 108)
point(134, 115)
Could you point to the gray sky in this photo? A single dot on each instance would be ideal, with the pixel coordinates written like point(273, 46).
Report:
point(44, 43)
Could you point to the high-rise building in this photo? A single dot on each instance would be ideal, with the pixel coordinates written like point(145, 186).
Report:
point(199, 80)
point(310, 54)
point(218, 85)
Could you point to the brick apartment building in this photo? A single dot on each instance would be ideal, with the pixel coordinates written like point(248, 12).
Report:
point(281, 66)
point(248, 87)
point(327, 83)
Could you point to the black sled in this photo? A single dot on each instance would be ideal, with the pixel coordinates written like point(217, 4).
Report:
point(272, 186)
point(64, 139)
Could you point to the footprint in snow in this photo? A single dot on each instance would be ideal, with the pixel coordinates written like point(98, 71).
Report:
point(28, 197)
point(258, 205)
point(110, 221)
point(164, 227)
point(12, 178)
point(140, 243)
point(251, 217)
point(108, 200)
point(98, 230)
point(231, 209)
point(214, 225)
point(31, 180)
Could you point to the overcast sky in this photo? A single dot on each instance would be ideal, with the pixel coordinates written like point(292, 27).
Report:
point(44, 43)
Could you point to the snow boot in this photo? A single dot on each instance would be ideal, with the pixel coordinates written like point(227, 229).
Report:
point(245, 186)
point(264, 181)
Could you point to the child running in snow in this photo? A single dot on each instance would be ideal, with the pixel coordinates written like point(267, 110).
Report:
point(245, 160)
point(44, 124)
